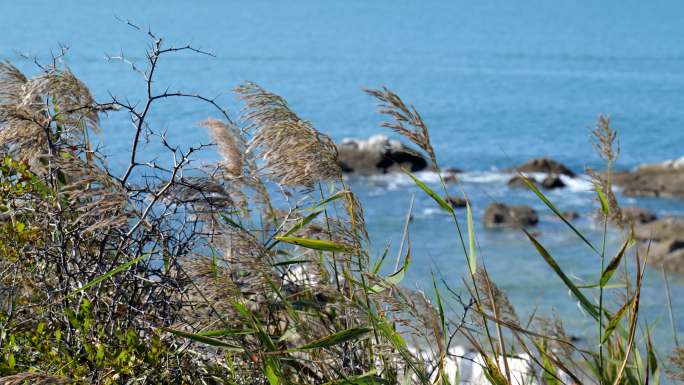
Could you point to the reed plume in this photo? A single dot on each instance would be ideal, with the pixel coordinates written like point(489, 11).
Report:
point(403, 115)
point(294, 153)
point(230, 145)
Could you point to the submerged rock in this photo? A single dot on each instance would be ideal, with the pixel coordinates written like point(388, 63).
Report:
point(654, 180)
point(552, 182)
point(545, 165)
point(378, 155)
point(456, 202)
point(500, 215)
point(570, 215)
point(519, 182)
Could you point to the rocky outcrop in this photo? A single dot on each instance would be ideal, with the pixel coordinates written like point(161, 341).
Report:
point(549, 183)
point(378, 155)
point(456, 202)
point(546, 166)
point(663, 241)
point(637, 215)
point(571, 215)
point(501, 215)
point(654, 180)
point(519, 182)
point(552, 182)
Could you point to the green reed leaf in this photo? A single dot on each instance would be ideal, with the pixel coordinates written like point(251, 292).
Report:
point(336, 339)
point(442, 203)
point(472, 257)
point(614, 264)
point(315, 244)
point(109, 274)
point(615, 321)
point(205, 340)
point(586, 304)
point(555, 210)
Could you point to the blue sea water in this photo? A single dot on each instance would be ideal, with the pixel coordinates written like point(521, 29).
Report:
point(498, 82)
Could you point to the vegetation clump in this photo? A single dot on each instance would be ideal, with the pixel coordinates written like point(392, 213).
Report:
point(257, 269)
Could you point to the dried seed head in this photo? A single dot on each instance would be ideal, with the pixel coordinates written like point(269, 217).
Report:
point(605, 140)
point(230, 144)
point(294, 153)
point(402, 114)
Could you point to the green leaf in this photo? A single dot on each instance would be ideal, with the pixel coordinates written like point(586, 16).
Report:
point(205, 340)
point(396, 277)
point(315, 244)
point(586, 304)
point(271, 372)
point(613, 323)
point(337, 338)
point(614, 264)
point(472, 257)
point(555, 210)
point(378, 264)
point(109, 274)
point(226, 332)
point(297, 226)
point(602, 199)
point(442, 203)
point(367, 378)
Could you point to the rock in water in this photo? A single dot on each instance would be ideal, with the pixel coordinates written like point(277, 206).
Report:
point(378, 155)
point(552, 182)
point(654, 180)
point(501, 215)
point(570, 215)
point(663, 240)
point(545, 165)
point(637, 215)
point(519, 182)
point(456, 202)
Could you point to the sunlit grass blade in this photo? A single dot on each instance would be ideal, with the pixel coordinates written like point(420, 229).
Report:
point(351, 334)
point(396, 277)
point(296, 227)
point(367, 378)
point(316, 244)
point(605, 207)
point(614, 264)
point(555, 210)
point(226, 332)
point(397, 341)
point(615, 321)
point(205, 340)
point(109, 274)
point(586, 304)
point(472, 257)
point(441, 202)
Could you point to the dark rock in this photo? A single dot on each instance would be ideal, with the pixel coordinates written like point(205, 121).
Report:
point(545, 165)
point(552, 182)
point(656, 180)
point(519, 182)
point(499, 214)
point(453, 170)
point(450, 178)
point(570, 215)
point(378, 155)
point(637, 215)
point(456, 202)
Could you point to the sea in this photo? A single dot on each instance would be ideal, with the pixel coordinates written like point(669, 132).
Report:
point(497, 82)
